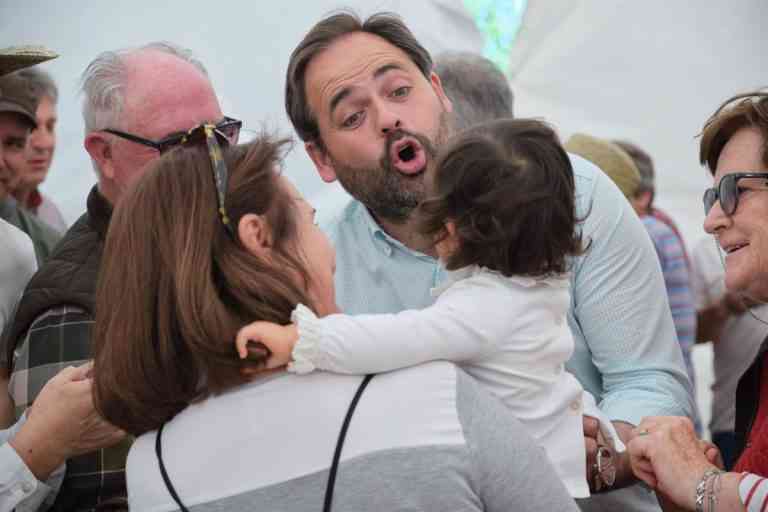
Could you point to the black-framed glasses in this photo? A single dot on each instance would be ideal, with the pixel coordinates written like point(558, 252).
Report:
point(229, 129)
point(728, 191)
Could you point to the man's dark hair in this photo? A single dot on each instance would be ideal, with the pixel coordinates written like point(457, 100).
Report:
point(508, 187)
point(477, 88)
point(740, 111)
point(385, 25)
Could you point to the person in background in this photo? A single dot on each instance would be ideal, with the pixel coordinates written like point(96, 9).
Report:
point(735, 334)
point(18, 105)
point(643, 201)
point(137, 103)
point(64, 422)
point(39, 153)
point(363, 97)
point(610, 158)
point(478, 90)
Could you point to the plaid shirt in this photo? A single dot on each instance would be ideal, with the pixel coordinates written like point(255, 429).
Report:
point(59, 338)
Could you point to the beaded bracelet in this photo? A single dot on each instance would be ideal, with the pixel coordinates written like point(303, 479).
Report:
point(706, 492)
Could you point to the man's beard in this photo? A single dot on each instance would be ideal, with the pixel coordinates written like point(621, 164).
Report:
point(389, 194)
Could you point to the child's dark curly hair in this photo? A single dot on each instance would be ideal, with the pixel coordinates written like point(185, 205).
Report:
point(508, 187)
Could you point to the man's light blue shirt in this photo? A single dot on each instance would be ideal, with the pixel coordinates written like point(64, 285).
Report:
point(626, 350)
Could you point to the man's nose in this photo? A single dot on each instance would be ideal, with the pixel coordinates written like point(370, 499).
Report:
point(40, 141)
point(388, 120)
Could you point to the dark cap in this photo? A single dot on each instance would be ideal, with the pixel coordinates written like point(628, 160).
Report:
point(20, 96)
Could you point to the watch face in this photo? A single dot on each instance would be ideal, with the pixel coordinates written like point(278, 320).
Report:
point(605, 466)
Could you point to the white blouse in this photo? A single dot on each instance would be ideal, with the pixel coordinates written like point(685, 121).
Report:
point(509, 333)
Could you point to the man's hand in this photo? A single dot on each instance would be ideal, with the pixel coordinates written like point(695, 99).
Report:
point(591, 434)
point(593, 440)
point(63, 423)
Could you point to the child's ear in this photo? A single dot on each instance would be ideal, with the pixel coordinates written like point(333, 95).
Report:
point(448, 244)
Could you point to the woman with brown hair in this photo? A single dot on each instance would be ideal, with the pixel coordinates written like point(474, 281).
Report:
point(208, 241)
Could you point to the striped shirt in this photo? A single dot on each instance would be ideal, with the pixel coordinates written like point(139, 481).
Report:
point(671, 253)
point(753, 492)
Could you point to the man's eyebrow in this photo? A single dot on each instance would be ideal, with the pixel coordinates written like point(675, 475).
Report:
point(338, 97)
point(343, 93)
point(386, 68)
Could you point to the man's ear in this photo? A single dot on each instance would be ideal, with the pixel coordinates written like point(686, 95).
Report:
point(254, 233)
point(101, 153)
point(437, 86)
point(322, 160)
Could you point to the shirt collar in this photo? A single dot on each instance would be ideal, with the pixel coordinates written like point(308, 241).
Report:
point(384, 242)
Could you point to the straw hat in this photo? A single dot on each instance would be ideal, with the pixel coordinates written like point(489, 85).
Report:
point(18, 57)
point(610, 158)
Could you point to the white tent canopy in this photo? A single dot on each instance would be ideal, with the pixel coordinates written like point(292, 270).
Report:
point(647, 71)
point(650, 72)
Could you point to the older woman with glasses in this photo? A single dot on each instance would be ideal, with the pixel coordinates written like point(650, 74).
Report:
point(665, 452)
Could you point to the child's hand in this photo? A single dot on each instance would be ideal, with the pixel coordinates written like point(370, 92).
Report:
point(279, 339)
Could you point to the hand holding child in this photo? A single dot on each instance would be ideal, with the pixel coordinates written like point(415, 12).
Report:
point(279, 339)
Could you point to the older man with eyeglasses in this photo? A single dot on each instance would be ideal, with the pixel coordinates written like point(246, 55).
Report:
point(138, 103)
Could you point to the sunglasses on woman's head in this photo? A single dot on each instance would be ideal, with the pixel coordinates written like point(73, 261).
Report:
point(212, 137)
point(728, 191)
point(228, 129)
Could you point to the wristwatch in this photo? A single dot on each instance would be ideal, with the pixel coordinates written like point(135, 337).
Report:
point(605, 469)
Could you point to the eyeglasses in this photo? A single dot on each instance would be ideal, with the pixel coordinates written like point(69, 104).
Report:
point(728, 191)
point(229, 128)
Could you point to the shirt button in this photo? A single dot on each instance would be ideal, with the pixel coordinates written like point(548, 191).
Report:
point(27, 487)
point(576, 405)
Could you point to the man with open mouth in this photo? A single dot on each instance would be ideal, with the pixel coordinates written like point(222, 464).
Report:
point(364, 98)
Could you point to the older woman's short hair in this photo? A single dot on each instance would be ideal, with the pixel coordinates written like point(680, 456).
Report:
point(741, 111)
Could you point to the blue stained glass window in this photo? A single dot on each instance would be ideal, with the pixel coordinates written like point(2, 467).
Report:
point(499, 21)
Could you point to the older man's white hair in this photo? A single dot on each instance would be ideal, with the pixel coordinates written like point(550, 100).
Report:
point(103, 83)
